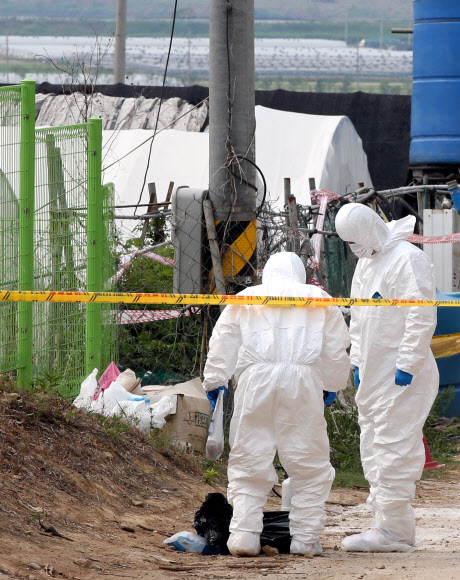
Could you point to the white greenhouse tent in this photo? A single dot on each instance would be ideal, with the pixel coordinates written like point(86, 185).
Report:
point(292, 145)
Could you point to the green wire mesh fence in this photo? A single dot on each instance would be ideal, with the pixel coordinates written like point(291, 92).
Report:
point(55, 234)
point(10, 144)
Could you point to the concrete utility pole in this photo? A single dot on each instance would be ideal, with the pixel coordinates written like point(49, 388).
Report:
point(231, 108)
point(120, 43)
point(232, 179)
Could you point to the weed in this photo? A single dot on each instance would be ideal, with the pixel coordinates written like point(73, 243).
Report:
point(48, 383)
point(442, 434)
point(7, 383)
point(343, 431)
point(210, 475)
point(113, 426)
point(164, 444)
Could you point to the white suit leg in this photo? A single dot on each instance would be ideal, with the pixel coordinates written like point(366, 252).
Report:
point(303, 449)
point(399, 414)
point(251, 474)
point(367, 457)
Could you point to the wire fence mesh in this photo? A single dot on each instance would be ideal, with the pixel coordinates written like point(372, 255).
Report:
point(10, 150)
point(163, 247)
point(170, 251)
point(44, 241)
point(60, 249)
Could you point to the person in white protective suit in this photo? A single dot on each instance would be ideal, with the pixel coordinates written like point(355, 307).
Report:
point(282, 358)
point(394, 369)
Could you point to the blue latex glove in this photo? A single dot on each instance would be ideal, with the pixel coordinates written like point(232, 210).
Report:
point(330, 398)
point(402, 379)
point(356, 377)
point(212, 396)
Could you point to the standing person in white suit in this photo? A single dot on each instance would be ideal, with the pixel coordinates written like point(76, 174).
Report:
point(283, 357)
point(394, 368)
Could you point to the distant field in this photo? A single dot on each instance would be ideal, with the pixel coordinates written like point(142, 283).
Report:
point(356, 30)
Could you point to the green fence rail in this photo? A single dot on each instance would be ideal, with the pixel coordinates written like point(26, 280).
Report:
point(55, 234)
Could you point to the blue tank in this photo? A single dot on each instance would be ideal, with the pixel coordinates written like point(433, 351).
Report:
point(435, 123)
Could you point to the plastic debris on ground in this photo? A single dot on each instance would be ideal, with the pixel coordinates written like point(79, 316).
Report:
point(184, 406)
point(190, 542)
point(275, 532)
point(215, 441)
point(212, 522)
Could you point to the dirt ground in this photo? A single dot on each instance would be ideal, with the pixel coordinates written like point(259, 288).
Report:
point(81, 501)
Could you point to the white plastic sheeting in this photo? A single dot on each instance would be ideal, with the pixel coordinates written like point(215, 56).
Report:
point(301, 146)
point(287, 145)
point(119, 112)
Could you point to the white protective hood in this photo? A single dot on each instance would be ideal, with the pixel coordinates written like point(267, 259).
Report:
point(281, 269)
point(360, 225)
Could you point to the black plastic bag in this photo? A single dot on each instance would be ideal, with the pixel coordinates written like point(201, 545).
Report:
point(212, 520)
point(276, 531)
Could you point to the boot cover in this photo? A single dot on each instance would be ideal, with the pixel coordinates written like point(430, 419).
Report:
point(374, 540)
point(314, 549)
point(244, 544)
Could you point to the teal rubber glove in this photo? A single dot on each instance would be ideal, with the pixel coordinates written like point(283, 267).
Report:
point(212, 396)
point(402, 379)
point(356, 377)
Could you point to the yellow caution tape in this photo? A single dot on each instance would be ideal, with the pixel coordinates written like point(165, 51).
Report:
point(445, 345)
point(209, 299)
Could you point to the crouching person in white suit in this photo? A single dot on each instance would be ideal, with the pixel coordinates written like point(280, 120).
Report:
point(283, 357)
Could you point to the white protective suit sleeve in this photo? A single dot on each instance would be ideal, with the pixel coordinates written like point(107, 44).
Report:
point(355, 319)
point(413, 279)
point(335, 363)
point(223, 350)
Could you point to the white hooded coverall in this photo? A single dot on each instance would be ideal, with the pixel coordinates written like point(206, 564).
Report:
point(282, 358)
point(385, 339)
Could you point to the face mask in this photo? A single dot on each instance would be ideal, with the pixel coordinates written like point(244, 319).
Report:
point(361, 251)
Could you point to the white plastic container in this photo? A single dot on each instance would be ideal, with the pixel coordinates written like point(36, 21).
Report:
point(286, 495)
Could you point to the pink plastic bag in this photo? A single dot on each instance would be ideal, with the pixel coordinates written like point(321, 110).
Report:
point(108, 376)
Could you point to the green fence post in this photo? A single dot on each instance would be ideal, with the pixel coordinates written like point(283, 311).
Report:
point(94, 230)
point(26, 231)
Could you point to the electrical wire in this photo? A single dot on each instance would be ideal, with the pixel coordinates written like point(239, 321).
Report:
point(244, 158)
point(161, 99)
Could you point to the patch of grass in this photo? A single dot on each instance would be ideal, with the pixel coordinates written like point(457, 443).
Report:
point(113, 426)
point(343, 432)
point(442, 435)
point(215, 471)
point(8, 383)
point(210, 475)
point(350, 479)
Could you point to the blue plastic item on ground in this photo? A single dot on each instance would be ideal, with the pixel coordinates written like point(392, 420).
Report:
point(191, 542)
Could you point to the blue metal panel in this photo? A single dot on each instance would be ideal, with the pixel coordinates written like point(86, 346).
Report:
point(449, 366)
point(435, 123)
